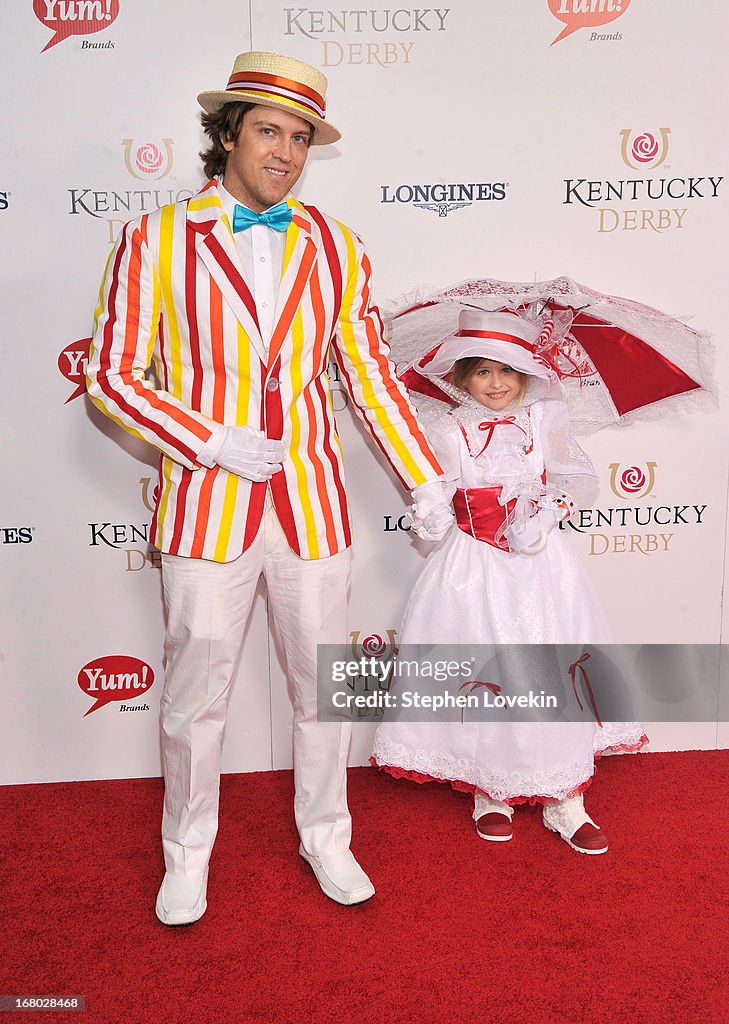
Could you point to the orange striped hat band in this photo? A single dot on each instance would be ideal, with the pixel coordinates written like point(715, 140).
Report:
point(269, 86)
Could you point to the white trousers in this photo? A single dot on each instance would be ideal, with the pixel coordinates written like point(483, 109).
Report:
point(208, 604)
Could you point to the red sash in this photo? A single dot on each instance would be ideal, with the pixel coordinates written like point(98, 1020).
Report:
point(479, 514)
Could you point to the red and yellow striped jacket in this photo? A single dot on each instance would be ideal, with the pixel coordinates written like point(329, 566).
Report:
point(174, 296)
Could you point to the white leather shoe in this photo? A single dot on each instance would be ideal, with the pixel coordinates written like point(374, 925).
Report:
point(340, 876)
point(182, 899)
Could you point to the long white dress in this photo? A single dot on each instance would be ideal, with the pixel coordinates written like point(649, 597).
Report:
point(471, 592)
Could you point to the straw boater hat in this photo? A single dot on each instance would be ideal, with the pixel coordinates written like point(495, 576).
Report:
point(504, 337)
point(272, 80)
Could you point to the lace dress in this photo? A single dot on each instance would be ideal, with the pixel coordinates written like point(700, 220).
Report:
point(472, 592)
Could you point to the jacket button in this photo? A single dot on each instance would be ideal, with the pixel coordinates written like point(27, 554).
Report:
point(272, 384)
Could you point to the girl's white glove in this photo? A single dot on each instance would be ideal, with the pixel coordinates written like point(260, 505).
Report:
point(431, 517)
point(245, 451)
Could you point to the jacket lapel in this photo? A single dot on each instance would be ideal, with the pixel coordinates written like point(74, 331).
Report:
point(299, 257)
point(216, 248)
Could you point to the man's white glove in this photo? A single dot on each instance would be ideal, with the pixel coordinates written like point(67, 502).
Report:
point(245, 451)
point(431, 517)
point(531, 536)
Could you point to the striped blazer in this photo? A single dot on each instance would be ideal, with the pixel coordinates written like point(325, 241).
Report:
point(174, 297)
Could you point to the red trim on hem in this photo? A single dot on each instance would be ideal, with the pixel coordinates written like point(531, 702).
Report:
point(466, 787)
point(623, 748)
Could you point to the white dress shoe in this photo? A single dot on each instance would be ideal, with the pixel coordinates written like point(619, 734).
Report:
point(182, 899)
point(340, 876)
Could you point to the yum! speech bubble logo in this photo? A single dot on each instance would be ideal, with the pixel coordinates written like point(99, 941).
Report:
point(72, 363)
point(114, 677)
point(74, 17)
point(577, 14)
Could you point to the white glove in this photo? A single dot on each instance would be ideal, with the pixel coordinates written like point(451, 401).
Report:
point(431, 517)
point(531, 536)
point(245, 451)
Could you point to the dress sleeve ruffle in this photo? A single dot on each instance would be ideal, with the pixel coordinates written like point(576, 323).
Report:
point(571, 478)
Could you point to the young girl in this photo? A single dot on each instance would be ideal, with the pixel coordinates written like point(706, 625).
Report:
point(507, 576)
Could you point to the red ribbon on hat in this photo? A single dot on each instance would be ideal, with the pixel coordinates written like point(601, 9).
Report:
point(277, 86)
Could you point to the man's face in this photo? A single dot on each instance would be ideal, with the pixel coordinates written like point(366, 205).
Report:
point(266, 160)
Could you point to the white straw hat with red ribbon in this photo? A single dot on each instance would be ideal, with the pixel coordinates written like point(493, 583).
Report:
point(284, 83)
point(503, 337)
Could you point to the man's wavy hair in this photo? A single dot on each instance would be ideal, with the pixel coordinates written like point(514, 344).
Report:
point(222, 126)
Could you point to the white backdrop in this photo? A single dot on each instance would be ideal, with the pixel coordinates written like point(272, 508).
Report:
point(103, 124)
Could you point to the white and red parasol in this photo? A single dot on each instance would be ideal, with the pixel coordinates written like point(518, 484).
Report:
point(617, 359)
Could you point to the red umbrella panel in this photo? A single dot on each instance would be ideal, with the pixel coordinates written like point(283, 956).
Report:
point(616, 358)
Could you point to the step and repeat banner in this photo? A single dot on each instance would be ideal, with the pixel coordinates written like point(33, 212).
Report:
point(479, 139)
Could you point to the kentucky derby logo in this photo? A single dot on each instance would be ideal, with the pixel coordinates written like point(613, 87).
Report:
point(149, 160)
point(646, 150)
point(373, 646)
point(649, 202)
point(149, 494)
point(633, 481)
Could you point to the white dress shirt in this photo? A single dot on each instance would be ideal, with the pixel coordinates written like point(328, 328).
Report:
point(261, 252)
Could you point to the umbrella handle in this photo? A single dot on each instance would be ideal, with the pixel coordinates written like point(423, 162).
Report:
point(537, 546)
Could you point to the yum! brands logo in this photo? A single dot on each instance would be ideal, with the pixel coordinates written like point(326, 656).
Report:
point(149, 161)
point(651, 196)
point(579, 14)
point(644, 150)
point(72, 363)
point(116, 677)
point(67, 18)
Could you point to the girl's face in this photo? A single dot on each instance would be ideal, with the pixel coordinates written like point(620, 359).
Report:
point(495, 385)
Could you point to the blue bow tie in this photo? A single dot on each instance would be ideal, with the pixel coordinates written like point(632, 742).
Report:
point(278, 217)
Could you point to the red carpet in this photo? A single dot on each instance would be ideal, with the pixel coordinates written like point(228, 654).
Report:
point(460, 930)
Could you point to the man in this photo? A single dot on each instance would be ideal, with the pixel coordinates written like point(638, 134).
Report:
point(235, 296)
